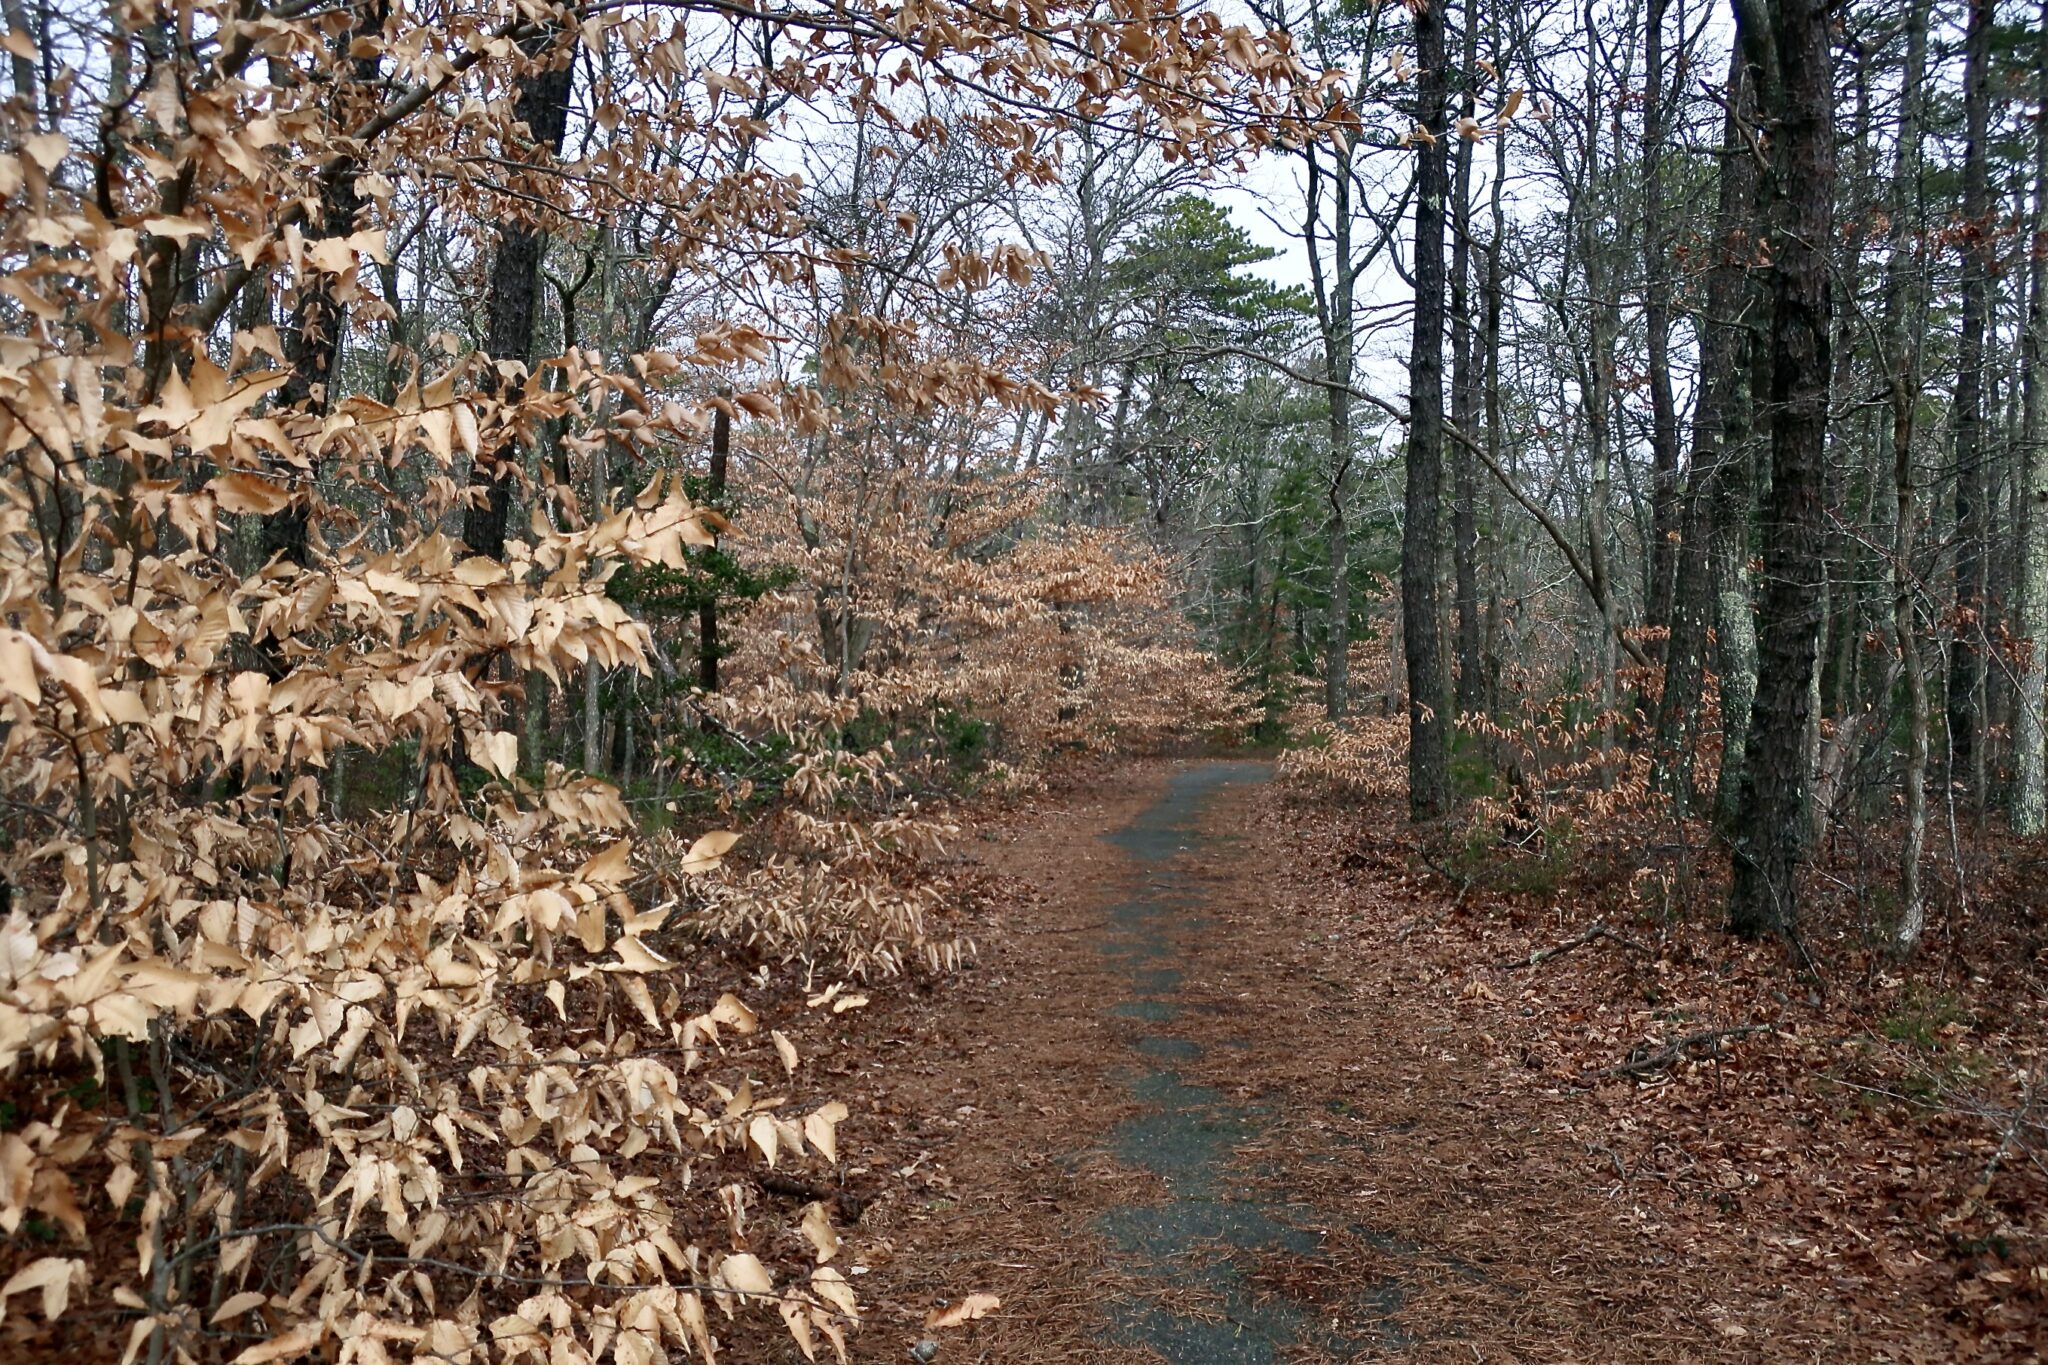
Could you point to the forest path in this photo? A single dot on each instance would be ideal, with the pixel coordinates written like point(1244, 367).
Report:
point(1186, 1109)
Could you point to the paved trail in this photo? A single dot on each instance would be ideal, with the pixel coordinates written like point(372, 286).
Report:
point(1204, 1113)
point(1210, 1223)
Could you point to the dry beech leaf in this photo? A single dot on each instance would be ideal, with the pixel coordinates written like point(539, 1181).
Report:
point(611, 867)
point(796, 1315)
point(785, 1050)
point(821, 1128)
point(833, 1288)
point(496, 752)
point(241, 492)
point(762, 1136)
point(635, 956)
point(967, 1310)
point(285, 1346)
point(239, 1304)
point(46, 149)
point(733, 1011)
point(53, 1275)
point(709, 850)
point(18, 667)
point(478, 572)
point(744, 1272)
point(818, 1231)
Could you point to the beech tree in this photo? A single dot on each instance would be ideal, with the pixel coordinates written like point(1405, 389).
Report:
point(368, 373)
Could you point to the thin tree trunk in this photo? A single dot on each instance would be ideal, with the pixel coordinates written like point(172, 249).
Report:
point(1718, 460)
point(319, 321)
point(1429, 793)
point(1465, 400)
point(1604, 306)
point(1902, 375)
point(600, 487)
point(1664, 502)
point(707, 610)
point(2030, 800)
point(1494, 288)
point(1338, 359)
point(1966, 657)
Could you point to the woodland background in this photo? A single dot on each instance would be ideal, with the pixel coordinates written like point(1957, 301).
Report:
point(526, 524)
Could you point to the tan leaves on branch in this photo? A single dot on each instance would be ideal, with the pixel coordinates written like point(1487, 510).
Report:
point(278, 811)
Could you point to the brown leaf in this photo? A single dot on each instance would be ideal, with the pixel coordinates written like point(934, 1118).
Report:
point(967, 1310)
point(709, 850)
point(285, 1346)
point(241, 492)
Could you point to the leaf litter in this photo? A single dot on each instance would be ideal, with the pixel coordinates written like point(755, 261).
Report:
point(1476, 1176)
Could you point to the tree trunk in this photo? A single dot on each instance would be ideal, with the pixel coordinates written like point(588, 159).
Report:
point(1966, 656)
point(707, 610)
point(512, 307)
point(1771, 833)
point(1603, 304)
point(2030, 800)
point(1495, 289)
point(1902, 376)
point(1429, 793)
point(594, 747)
point(1338, 361)
point(1718, 481)
point(1664, 503)
point(1465, 401)
point(319, 321)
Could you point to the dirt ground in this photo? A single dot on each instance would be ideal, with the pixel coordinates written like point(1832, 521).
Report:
point(1217, 1091)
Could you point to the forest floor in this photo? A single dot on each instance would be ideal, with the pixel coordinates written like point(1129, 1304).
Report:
point(1233, 1081)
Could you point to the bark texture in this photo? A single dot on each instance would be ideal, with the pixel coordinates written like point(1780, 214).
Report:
point(1429, 793)
point(1789, 43)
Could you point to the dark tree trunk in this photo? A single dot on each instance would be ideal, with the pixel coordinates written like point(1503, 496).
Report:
point(513, 306)
point(319, 321)
point(1465, 402)
point(1494, 289)
point(1429, 793)
point(1335, 296)
point(313, 345)
point(1790, 45)
point(707, 610)
point(1966, 658)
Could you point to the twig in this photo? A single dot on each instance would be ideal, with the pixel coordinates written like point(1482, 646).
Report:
point(1619, 1168)
point(1642, 1063)
point(2012, 1130)
point(850, 1205)
point(1597, 930)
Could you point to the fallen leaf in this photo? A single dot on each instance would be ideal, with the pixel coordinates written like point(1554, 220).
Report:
point(967, 1310)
